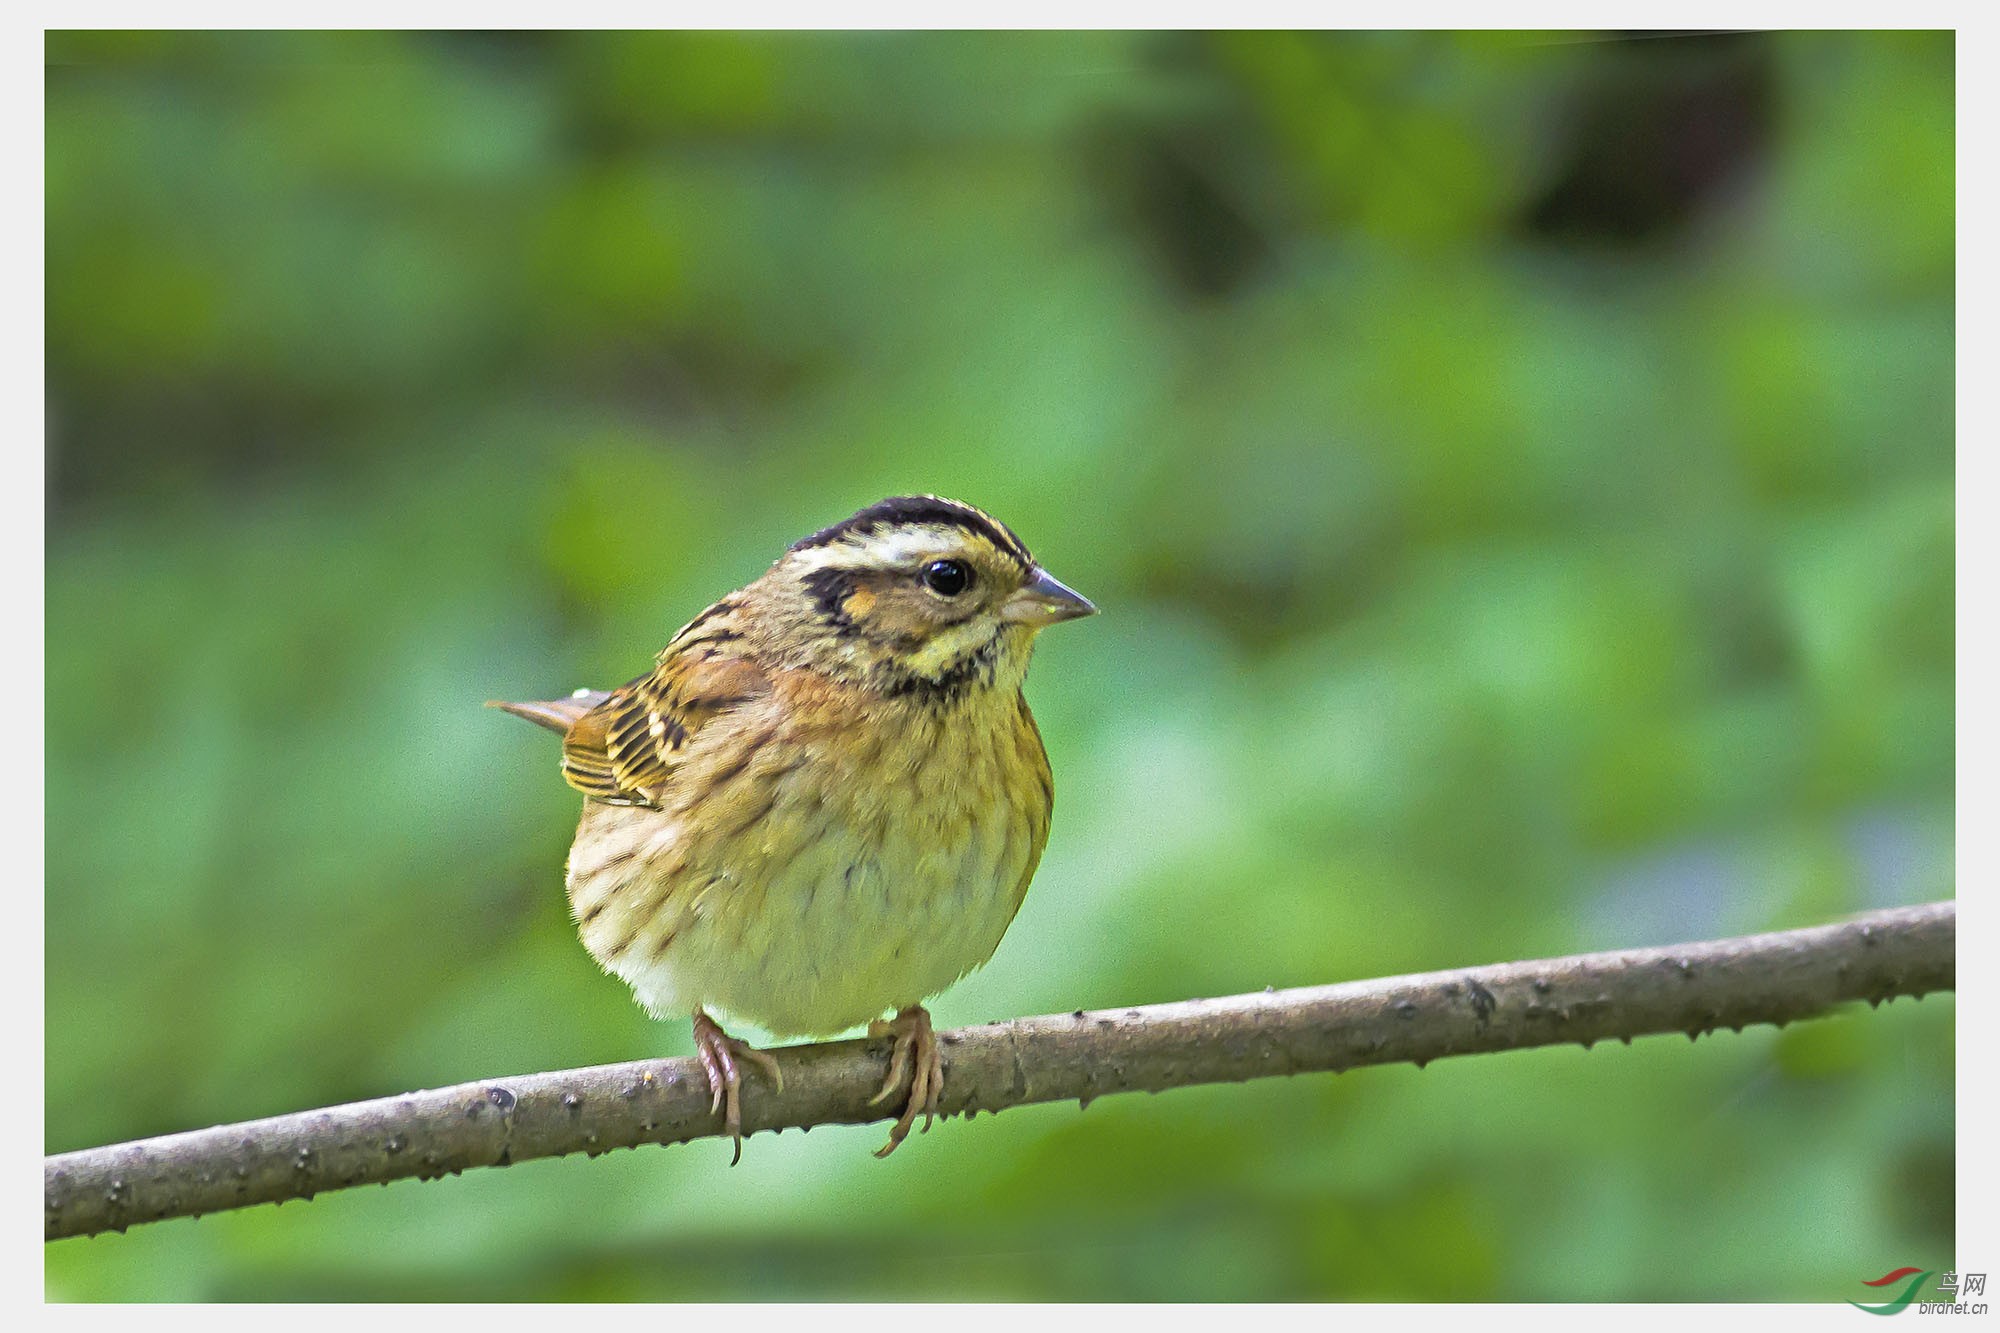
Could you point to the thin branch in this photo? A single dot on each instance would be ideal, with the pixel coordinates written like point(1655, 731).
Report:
point(1691, 988)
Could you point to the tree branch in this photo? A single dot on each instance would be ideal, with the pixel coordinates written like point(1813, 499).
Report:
point(1691, 988)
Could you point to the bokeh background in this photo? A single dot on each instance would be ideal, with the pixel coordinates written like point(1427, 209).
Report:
point(1517, 473)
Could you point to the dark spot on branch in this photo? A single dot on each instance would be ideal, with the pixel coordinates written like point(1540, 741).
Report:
point(1483, 1003)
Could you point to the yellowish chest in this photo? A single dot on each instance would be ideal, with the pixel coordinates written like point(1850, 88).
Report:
point(808, 878)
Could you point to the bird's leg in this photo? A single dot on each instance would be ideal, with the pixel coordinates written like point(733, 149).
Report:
point(719, 1052)
point(916, 1051)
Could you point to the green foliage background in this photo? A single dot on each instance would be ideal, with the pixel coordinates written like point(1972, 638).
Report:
point(1517, 473)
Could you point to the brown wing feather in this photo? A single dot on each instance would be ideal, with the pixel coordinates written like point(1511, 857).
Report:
point(624, 750)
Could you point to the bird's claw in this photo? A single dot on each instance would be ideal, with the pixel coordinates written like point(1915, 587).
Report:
point(719, 1053)
point(916, 1053)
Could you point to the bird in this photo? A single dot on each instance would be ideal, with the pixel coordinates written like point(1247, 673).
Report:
point(826, 800)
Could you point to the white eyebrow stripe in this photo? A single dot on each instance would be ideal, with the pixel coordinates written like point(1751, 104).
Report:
point(907, 545)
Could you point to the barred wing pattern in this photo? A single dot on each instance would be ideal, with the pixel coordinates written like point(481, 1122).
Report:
point(623, 751)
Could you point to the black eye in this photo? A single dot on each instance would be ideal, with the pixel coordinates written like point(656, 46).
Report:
point(947, 578)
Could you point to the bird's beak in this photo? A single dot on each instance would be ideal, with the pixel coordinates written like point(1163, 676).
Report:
point(1042, 600)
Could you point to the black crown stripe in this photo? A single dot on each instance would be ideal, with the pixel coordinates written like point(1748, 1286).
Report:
point(898, 510)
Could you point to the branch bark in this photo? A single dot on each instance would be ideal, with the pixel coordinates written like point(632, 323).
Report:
point(1587, 998)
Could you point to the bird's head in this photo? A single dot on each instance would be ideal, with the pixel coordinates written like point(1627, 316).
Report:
point(914, 596)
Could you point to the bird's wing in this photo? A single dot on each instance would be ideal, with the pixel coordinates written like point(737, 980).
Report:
point(625, 748)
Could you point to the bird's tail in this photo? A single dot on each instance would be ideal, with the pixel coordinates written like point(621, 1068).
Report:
point(558, 715)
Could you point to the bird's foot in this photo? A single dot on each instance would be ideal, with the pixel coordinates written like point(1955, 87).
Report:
point(719, 1052)
point(916, 1053)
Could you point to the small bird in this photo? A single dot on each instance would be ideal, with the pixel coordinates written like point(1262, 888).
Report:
point(826, 799)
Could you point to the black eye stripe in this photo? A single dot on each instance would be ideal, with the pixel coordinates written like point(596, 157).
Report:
point(830, 589)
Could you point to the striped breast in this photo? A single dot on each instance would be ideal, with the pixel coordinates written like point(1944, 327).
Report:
point(822, 856)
